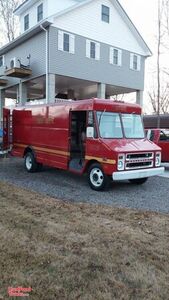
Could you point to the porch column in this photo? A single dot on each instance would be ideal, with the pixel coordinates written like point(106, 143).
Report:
point(139, 97)
point(51, 88)
point(101, 90)
point(2, 104)
point(22, 93)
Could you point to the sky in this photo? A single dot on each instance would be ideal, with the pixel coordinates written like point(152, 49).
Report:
point(143, 14)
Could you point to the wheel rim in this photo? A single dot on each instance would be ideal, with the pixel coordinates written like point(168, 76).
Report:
point(28, 162)
point(96, 177)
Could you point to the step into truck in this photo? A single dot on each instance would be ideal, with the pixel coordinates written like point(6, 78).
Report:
point(102, 138)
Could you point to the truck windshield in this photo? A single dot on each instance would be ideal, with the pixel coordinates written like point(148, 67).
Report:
point(133, 126)
point(110, 125)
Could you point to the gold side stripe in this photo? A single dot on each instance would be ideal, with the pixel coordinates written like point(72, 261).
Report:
point(52, 151)
point(64, 153)
point(102, 160)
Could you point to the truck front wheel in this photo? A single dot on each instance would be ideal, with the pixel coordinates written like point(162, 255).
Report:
point(30, 162)
point(96, 178)
point(139, 180)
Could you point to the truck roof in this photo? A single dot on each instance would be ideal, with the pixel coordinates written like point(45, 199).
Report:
point(91, 104)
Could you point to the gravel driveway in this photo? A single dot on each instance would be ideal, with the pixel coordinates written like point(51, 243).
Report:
point(153, 195)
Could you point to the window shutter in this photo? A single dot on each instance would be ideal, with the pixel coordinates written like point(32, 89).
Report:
point(119, 57)
point(138, 63)
point(88, 48)
point(97, 51)
point(72, 43)
point(111, 56)
point(60, 40)
point(131, 60)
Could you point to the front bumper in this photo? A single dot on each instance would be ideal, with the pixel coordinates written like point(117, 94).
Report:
point(135, 174)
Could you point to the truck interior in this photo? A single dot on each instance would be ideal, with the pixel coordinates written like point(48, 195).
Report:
point(77, 139)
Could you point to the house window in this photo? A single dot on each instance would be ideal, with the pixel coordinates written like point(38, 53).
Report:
point(26, 22)
point(66, 42)
point(105, 13)
point(40, 12)
point(1, 61)
point(115, 56)
point(92, 50)
point(135, 62)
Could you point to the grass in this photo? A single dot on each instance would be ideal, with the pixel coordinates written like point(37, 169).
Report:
point(81, 251)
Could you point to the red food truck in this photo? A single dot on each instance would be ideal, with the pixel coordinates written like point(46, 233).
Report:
point(102, 138)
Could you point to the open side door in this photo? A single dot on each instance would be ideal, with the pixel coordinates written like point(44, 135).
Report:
point(6, 129)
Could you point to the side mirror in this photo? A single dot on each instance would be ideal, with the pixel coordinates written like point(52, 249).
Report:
point(90, 132)
point(148, 135)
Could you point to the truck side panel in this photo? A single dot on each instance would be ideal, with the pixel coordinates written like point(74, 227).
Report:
point(45, 130)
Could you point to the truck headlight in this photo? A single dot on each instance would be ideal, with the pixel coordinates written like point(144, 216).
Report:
point(121, 162)
point(158, 159)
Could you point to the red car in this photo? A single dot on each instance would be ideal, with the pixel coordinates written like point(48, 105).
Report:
point(161, 138)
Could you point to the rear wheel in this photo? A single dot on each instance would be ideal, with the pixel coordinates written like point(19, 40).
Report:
point(30, 162)
point(139, 180)
point(96, 178)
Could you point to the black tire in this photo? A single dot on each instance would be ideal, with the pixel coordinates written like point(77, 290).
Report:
point(97, 180)
point(30, 163)
point(138, 180)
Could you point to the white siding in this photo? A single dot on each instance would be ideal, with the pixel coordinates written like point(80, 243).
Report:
point(50, 8)
point(33, 14)
point(55, 6)
point(86, 21)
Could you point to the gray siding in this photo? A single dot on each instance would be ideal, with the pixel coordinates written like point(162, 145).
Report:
point(75, 65)
point(79, 66)
point(37, 48)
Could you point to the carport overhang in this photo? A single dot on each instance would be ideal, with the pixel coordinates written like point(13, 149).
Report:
point(82, 89)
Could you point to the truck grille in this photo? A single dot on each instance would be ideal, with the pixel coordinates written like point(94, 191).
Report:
point(140, 155)
point(139, 160)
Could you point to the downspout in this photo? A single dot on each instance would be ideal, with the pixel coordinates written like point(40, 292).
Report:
point(47, 63)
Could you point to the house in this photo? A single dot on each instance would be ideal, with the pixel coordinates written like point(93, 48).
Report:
point(73, 49)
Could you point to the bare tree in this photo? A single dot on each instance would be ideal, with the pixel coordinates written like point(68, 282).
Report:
point(166, 21)
point(159, 94)
point(161, 103)
point(118, 97)
point(8, 20)
point(159, 40)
